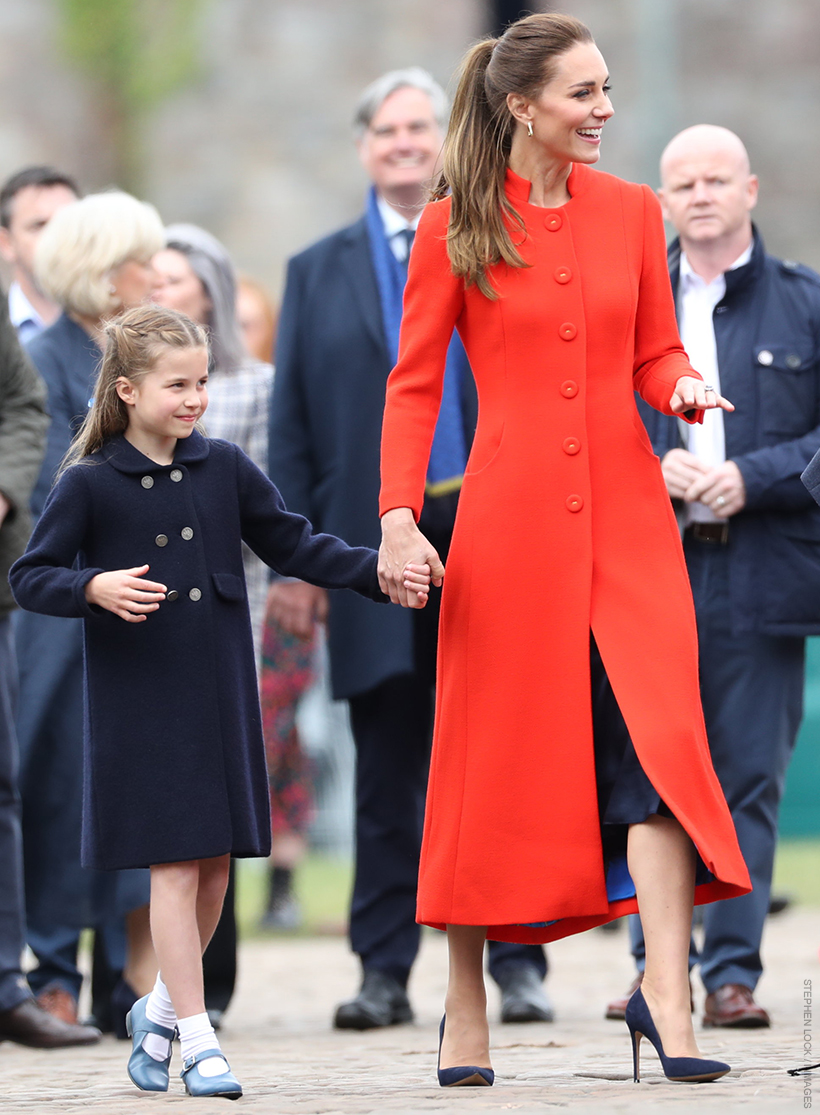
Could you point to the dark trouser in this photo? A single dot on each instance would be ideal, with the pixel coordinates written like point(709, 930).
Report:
point(392, 729)
point(219, 961)
point(13, 987)
point(752, 692)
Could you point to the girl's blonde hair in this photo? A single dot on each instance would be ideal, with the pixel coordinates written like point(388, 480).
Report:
point(479, 139)
point(134, 342)
point(83, 243)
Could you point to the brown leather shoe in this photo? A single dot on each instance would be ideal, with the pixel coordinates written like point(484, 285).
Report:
point(733, 1005)
point(59, 1003)
point(617, 1008)
point(29, 1024)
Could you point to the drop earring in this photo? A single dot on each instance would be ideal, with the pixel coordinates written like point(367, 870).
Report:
point(529, 128)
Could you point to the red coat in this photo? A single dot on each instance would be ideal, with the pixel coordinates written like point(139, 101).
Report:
point(564, 525)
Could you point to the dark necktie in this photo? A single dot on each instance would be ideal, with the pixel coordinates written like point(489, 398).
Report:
point(407, 235)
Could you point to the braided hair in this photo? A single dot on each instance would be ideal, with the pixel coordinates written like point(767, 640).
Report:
point(134, 342)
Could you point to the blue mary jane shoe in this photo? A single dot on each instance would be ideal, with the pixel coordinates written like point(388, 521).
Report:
point(224, 1084)
point(148, 1074)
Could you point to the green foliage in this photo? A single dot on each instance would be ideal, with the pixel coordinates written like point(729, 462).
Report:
point(141, 49)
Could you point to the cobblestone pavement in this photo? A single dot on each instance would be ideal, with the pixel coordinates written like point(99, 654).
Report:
point(281, 1046)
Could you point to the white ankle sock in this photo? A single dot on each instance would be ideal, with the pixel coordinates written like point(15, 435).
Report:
point(196, 1034)
point(160, 1010)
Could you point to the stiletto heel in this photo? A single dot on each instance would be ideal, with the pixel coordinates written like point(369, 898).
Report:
point(694, 1070)
point(464, 1074)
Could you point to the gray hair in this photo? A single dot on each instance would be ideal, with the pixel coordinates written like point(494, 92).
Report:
point(414, 77)
point(210, 262)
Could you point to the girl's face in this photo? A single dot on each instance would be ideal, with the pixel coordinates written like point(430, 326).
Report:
point(570, 111)
point(179, 288)
point(166, 403)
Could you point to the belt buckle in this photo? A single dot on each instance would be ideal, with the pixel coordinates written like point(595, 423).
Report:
point(715, 533)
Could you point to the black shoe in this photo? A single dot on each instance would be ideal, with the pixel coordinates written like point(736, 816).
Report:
point(523, 998)
point(28, 1024)
point(382, 1001)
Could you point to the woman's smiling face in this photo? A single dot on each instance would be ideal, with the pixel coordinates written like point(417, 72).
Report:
point(569, 112)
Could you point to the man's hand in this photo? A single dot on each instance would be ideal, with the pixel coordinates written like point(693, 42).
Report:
point(404, 547)
point(680, 470)
point(123, 592)
point(296, 606)
point(721, 489)
point(693, 394)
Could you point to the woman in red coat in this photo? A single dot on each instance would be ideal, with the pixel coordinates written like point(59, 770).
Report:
point(566, 557)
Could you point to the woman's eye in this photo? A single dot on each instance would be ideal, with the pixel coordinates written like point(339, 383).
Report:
point(607, 88)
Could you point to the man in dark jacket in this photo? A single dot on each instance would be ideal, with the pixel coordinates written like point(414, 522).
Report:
point(23, 423)
point(338, 337)
point(750, 324)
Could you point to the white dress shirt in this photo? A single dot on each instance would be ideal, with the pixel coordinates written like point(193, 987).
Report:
point(696, 306)
point(394, 225)
point(24, 317)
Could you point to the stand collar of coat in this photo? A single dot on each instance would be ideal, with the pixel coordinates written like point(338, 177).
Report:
point(736, 280)
point(518, 189)
point(125, 457)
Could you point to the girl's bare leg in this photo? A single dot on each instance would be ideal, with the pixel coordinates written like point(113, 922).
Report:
point(661, 860)
point(466, 1035)
point(186, 900)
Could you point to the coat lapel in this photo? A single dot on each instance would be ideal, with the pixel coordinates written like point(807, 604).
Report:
point(355, 258)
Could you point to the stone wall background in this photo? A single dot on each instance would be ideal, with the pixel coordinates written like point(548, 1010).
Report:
point(258, 148)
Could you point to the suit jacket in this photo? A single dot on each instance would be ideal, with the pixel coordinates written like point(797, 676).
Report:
point(767, 330)
point(332, 365)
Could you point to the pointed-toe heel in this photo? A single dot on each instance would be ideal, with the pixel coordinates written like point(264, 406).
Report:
point(463, 1075)
point(224, 1084)
point(147, 1073)
point(691, 1070)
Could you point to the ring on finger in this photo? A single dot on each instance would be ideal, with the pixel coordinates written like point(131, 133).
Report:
point(720, 501)
point(707, 387)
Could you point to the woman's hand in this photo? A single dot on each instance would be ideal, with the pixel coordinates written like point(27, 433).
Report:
point(122, 592)
point(407, 561)
point(693, 394)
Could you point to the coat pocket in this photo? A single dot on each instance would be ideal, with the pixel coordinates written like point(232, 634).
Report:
point(787, 374)
point(229, 586)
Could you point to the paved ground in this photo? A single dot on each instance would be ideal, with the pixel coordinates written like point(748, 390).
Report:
point(278, 1038)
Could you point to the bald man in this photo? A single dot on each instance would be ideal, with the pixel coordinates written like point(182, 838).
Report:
point(750, 324)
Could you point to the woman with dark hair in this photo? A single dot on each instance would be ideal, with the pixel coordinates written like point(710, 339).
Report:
point(546, 812)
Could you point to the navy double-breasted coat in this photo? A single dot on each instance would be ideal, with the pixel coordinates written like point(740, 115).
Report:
point(174, 760)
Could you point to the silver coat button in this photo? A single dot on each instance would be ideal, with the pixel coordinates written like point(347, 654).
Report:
point(765, 357)
point(147, 481)
point(161, 539)
point(793, 360)
point(187, 533)
point(195, 594)
point(176, 475)
point(172, 594)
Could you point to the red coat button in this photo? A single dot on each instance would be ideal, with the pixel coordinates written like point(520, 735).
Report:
point(554, 221)
point(575, 503)
point(569, 388)
point(562, 274)
point(572, 446)
point(568, 331)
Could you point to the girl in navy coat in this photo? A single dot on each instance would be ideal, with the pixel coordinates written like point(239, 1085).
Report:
point(175, 776)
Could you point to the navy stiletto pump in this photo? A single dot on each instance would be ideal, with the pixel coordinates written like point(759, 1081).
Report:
point(463, 1074)
point(695, 1070)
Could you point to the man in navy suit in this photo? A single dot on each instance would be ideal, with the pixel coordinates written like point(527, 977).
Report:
point(338, 336)
point(750, 324)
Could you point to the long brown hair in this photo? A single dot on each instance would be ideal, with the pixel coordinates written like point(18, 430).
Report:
point(479, 138)
point(134, 342)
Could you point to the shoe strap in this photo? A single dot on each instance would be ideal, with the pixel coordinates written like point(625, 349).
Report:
point(189, 1062)
point(149, 1027)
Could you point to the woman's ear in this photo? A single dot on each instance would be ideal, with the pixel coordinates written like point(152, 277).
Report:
point(126, 390)
point(519, 107)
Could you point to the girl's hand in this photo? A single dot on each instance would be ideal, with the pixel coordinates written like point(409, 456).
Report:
point(404, 545)
point(694, 394)
point(417, 580)
point(122, 592)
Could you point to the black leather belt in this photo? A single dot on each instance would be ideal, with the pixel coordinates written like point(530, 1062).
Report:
point(716, 533)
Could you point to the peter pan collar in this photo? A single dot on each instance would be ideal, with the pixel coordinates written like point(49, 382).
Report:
point(125, 457)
